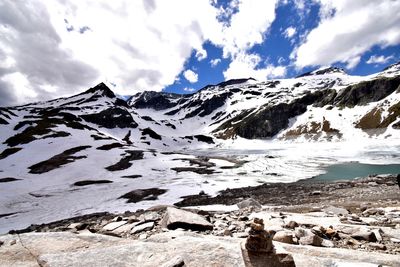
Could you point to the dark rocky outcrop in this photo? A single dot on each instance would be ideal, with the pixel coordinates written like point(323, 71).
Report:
point(9, 151)
point(58, 160)
point(151, 133)
point(204, 138)
point(114, 117)
point(90, 182)
point(208, 106)
point(269, 120)
point(125, 161)
point(143, 194)
point(8, 179)
point(156, 100)
point(110, 146)
point(366, 92)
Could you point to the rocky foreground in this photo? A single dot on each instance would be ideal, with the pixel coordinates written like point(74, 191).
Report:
point(345, 223)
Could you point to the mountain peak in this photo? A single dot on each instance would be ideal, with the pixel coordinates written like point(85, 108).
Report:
point(102, 89)
point(322, 71)
point(395, 66)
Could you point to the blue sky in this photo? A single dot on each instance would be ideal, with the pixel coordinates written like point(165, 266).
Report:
point(276, 49)
point(58, 48)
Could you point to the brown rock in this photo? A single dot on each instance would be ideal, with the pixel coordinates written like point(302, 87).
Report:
point(284, 237)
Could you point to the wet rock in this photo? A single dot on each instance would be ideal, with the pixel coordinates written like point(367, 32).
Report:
point(327, 243)
point(250, 202)
point(175, 218)
point(142, 227)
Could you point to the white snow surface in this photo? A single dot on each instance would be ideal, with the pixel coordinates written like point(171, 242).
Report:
point(39, 198)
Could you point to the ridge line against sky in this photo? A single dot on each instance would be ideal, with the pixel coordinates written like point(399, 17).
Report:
point(55, 48)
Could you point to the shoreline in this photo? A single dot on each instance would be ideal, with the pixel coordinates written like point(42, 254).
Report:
point(301, 196)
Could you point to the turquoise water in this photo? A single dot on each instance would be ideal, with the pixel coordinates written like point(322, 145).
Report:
point(351, 170)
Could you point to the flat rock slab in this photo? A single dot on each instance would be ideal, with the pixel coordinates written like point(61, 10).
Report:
point(68, 249)
point(24, 249)
point(176, 218)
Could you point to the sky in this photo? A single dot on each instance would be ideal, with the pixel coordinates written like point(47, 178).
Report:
point(57, 48)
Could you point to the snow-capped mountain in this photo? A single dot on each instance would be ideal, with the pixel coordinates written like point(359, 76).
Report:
point(84, 152)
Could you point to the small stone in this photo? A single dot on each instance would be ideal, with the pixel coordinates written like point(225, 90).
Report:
point(327, 243)
point(377, 246)
point(377, 233)
point(330, 232)
point(13, 242)
point(395, 240)
point(227, 232)
point(232, 227)
point(142, 227)
point(291, 225)
point(143, 236)
point(316, 193)
point(364, 206)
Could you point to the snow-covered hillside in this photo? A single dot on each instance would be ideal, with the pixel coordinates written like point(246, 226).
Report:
point(84, 153)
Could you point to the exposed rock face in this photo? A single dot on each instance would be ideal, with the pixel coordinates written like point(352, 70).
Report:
point(268, 121)
point(156, 100)
point(176, 218)
point(112, 118)
point(58, 160)
point(366, 92)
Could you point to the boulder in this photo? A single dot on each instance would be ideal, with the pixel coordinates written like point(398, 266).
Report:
point(335, 210)
point(250, 202)
point(142, 227)
point(175, 218)
point(311, 240)
point(364, 234)
point(284, 237)
point(114, 225)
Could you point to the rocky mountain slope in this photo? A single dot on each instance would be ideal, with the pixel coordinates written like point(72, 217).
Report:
point(84, 153)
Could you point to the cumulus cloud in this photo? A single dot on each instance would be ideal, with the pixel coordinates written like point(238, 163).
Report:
point(374, 59)
point(347, 29)
point(214, 62)
point(191, 76)
point(289, 32)
point(55, 48)
point(247, 64)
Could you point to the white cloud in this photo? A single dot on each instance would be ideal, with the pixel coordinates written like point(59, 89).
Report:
point(214, 62)
point(349, 28)
point(245, 66)
point(290, 32)
point(189, 90)
point(374, 59)
point(55, 48)
point(201, 54)
point(191, 76)
point(247, 27)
